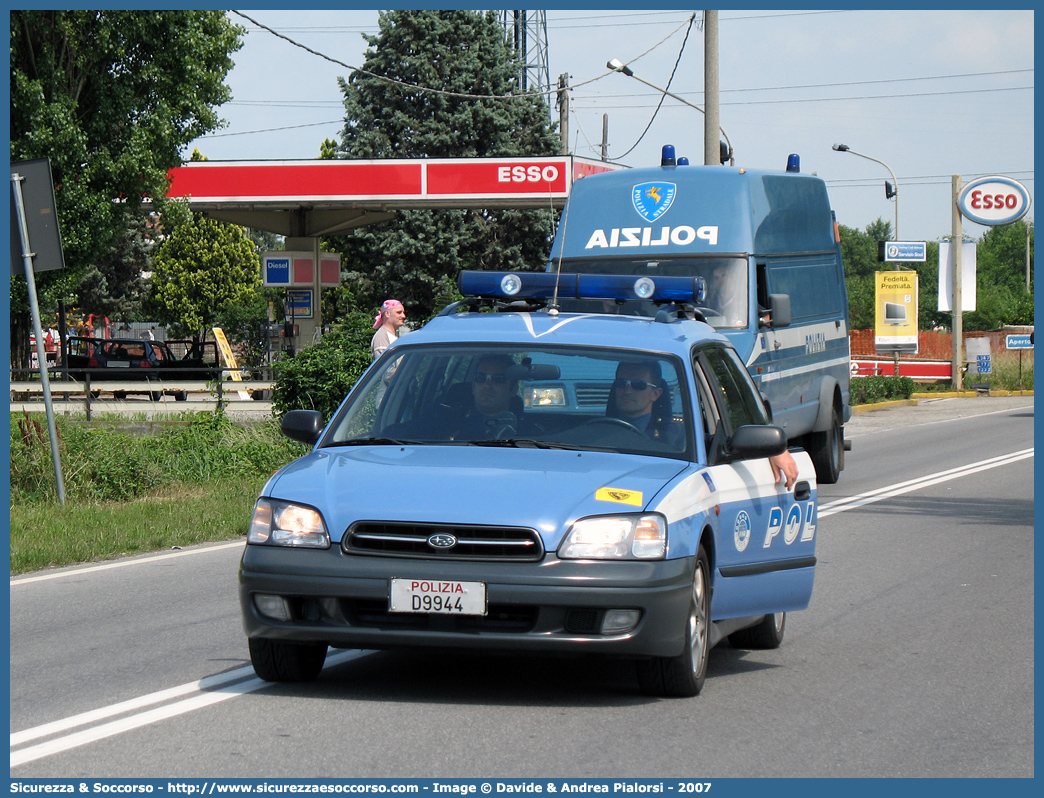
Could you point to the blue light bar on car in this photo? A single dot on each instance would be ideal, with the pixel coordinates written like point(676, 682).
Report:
point(655, 289)
point(541, 285)
point(516, 285)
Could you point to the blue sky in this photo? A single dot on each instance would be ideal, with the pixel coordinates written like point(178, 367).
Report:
point(932, 94)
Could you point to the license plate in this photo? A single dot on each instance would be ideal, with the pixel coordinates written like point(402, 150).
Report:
point(440, 597)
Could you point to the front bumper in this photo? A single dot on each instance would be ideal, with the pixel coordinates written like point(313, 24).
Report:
point(548, 606)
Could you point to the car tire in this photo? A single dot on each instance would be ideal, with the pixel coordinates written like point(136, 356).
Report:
point(764, 635)
point(827, 450)
point(682, 676)
point(121, 395)
point(276, 661)
point(180, 396)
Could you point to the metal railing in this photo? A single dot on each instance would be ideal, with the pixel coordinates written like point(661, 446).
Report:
point(89, 386)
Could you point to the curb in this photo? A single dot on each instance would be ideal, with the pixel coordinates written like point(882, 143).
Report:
point(914, 399)
point(884, 405)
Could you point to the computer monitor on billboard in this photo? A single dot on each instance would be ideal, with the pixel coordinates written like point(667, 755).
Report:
point(894, 313)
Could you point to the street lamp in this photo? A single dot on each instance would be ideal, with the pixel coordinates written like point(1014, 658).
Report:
point(891, 189)
point(618, 66)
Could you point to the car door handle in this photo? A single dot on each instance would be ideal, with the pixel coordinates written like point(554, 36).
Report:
point(802, 491)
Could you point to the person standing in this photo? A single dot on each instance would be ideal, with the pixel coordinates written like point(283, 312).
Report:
point(391, 317)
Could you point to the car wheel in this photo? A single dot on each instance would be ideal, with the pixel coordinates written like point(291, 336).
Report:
point(276, 661)
point(827, 450)
point(766, 634)
point(180, 396)
point(119, 395)
point(683, 676)
point(156, 395)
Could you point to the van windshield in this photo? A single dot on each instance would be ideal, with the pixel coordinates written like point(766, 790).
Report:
point(725, 307)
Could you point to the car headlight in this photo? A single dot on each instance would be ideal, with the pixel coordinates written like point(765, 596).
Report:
point(616, 537)
point(277, 523)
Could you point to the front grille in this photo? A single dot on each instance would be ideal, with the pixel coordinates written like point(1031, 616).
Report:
point(505, 543)
point(592, 395)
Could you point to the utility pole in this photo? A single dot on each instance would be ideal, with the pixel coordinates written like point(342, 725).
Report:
point(563, 110)
point(605, 157)
point(711, 145)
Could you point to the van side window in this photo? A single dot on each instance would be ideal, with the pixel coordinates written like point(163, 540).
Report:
point(797, 277)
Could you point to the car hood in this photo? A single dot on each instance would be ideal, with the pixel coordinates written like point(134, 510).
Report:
point(542, 489)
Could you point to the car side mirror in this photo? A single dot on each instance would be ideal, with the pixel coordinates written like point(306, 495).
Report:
point(753, 441)
point(303, 426)
point(779, 311)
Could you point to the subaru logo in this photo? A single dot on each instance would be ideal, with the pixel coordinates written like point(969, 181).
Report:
point(442, 541)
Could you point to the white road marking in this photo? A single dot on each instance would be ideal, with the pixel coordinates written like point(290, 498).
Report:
point(46, 577)
point(204, 693)
point(873, 496)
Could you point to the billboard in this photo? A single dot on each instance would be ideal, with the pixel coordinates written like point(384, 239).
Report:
point(895, 315)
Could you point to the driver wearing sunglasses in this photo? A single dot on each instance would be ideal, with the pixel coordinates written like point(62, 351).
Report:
point(492, 391)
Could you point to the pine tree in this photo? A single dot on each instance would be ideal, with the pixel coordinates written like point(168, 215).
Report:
point(416, 257)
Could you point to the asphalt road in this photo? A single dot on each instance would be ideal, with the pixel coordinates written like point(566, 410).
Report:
point(914, 659)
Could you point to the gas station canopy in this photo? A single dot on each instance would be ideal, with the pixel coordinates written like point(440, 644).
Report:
point(302, 199)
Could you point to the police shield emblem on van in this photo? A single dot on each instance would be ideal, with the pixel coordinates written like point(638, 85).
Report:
point(653, 200)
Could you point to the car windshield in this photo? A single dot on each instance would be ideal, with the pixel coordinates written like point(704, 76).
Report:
point(533, 397)
point(724, 307)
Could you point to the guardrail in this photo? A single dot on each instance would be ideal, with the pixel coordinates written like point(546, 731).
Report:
point(180, 395)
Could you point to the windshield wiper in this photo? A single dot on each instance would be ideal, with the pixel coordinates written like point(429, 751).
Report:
point(524, 443)
point(377, 442)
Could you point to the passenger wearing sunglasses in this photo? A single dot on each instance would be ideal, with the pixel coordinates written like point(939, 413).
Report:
point(493, 393)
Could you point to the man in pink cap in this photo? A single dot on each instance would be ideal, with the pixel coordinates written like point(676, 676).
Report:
point(387, 323)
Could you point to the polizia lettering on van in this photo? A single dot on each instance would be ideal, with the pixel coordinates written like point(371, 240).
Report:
point(643, 237)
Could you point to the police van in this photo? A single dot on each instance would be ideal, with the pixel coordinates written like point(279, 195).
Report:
point(764, 250)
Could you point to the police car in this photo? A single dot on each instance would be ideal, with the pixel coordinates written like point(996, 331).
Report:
point(537, 481)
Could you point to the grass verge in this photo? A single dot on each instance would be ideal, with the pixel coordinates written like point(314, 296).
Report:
point(133, 487)
point(48, 535)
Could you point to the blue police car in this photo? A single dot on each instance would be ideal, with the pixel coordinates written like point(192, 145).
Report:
point(537, 481)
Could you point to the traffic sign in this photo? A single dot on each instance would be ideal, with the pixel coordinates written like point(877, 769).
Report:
point(1018, 342)
point(903, 251)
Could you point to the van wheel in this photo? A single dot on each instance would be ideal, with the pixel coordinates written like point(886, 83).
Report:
point(766, 634)
point(827, 450)
point(683, 676)
point(276, 661)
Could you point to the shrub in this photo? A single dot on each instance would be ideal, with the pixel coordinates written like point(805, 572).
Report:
point(866, 390)
point(319, 377)
point(112, 461)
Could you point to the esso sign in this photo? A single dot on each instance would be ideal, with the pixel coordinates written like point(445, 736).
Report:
point(527, 174)
point(994, 200)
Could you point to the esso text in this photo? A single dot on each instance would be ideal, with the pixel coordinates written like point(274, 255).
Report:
point(527, 174)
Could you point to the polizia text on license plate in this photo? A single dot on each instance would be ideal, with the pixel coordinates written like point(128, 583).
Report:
point(435, 596)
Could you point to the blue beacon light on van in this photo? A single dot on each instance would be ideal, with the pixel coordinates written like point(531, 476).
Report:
point(667, 156)
point(793, 163)
point(542, 285)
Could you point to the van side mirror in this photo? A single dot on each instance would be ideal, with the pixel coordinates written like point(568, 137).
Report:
point(778, 313)
point(753, 441)
point(303, 426)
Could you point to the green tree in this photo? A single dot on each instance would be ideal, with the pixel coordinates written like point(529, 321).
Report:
point(414, 257)
point(110, 97)
point(203, 267)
